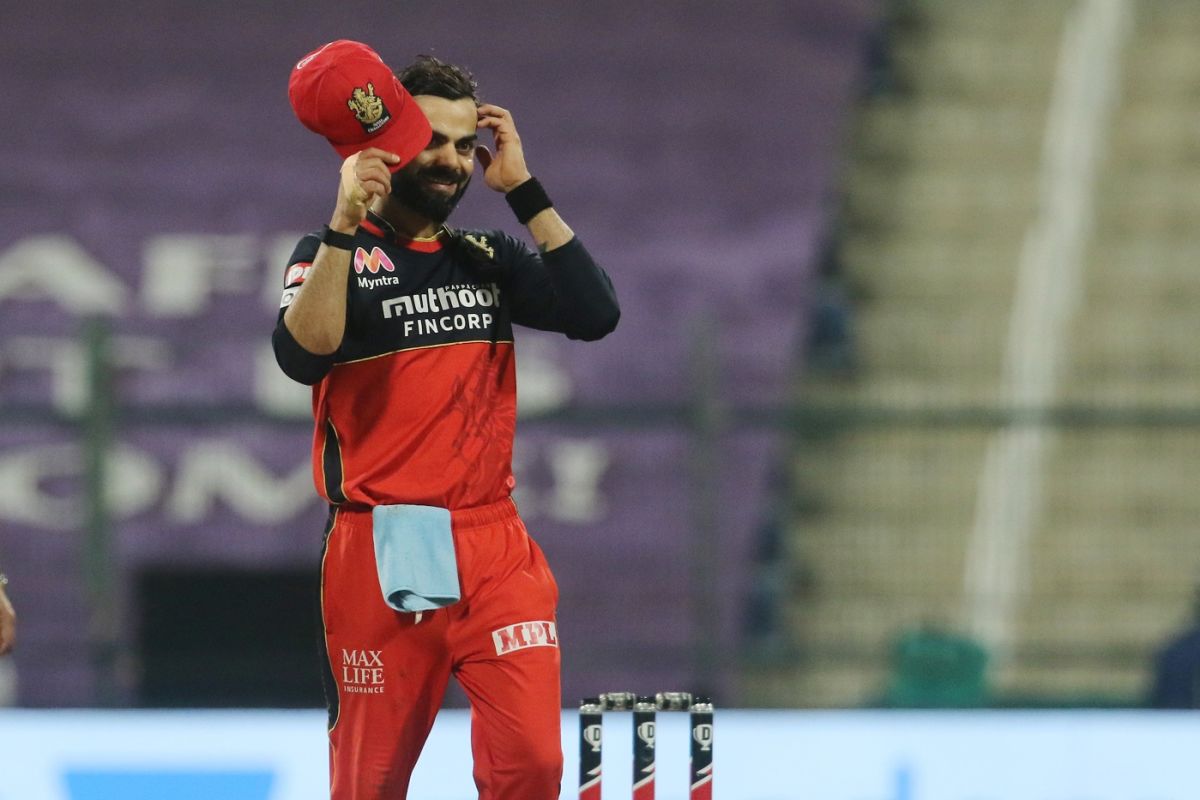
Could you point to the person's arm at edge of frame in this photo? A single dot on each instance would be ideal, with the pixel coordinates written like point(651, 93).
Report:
point(316, 318)
point(8, 621)
point(570, 264)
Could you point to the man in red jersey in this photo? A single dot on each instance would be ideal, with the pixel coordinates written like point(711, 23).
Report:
point(403, 326)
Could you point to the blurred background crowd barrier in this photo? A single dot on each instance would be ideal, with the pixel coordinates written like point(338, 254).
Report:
point(902, 410)
point(159, 522)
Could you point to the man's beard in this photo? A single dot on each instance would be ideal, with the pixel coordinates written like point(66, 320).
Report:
point(410, 191)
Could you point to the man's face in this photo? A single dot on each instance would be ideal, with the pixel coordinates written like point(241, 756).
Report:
point(433, 182)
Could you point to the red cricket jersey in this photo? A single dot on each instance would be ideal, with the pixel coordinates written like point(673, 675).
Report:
point(419, 404)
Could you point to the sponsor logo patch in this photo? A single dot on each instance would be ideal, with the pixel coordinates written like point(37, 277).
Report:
point(296, 274)
point(288, 296)
point(523, 635)
point(645, 732)
point(372, 262)
point(362, 671)
point(594, 736)
point(443, 299)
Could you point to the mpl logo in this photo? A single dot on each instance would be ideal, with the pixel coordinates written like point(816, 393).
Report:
point(372, 262)
point(540, 633)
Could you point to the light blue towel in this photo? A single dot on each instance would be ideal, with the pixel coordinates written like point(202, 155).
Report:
point(414, 554)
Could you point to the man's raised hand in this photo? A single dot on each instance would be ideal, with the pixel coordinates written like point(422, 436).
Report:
point(364, 176)
point(505, 170)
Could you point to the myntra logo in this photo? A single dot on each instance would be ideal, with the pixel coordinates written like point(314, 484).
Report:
point(373, 262)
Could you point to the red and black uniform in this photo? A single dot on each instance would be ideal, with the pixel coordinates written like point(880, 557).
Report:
point(418, 406)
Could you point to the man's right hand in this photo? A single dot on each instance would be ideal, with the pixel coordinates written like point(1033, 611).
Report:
point(364, 176)
point(316, 317)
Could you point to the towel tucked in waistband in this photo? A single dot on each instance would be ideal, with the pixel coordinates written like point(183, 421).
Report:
point(414, 555)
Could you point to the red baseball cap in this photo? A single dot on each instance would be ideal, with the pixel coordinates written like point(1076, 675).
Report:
point(344, 91)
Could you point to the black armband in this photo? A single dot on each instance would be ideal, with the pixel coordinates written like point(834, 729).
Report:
point(332, 238)
point(528, 200)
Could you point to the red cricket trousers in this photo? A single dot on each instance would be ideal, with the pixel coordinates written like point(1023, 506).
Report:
point(390, 671)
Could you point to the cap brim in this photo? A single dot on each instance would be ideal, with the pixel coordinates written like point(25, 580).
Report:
point(406, 136)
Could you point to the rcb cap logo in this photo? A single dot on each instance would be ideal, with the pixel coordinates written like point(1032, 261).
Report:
point(368, 109)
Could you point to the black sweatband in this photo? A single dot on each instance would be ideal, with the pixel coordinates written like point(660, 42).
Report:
point(332, 238)
point(528, 200)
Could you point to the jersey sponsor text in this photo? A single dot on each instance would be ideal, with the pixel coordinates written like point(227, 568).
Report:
point(375, 283)
point(446, 324)
point(446, 298)
point(539, 633)
point(362, 671)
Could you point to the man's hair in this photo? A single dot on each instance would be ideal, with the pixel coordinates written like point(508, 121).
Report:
point(429, 75)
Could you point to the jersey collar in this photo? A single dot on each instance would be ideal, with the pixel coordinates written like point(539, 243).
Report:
point(379, 227)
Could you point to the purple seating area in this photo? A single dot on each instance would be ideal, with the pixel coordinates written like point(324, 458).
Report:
point(151, 173)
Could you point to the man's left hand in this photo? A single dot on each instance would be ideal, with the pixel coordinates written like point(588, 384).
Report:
point(505, 170)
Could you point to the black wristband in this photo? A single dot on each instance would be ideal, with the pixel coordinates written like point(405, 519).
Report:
point(528, 200)
point(342, 241)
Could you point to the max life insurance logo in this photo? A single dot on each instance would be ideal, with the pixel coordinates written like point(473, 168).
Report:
point(362, 671)
point(372, 262)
